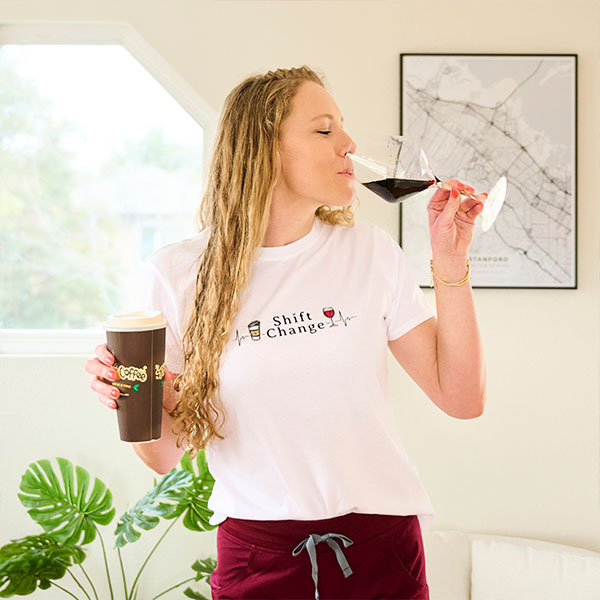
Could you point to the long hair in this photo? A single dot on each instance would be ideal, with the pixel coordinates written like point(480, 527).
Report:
point(235, 206)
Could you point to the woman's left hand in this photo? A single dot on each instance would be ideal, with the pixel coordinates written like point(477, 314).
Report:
point(452, 218)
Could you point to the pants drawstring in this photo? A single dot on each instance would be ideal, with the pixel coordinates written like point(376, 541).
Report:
point(310, 544)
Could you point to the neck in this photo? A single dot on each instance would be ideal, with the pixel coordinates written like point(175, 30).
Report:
point(287, 224)
point(283, 234)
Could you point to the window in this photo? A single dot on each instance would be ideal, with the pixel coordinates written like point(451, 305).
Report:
point(99, 167)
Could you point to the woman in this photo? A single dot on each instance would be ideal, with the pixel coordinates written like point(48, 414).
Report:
point(279, 313)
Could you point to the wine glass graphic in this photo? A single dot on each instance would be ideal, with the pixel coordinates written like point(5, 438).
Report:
point(329, 312)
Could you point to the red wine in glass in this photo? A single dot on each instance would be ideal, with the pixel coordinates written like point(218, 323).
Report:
point(393, 190)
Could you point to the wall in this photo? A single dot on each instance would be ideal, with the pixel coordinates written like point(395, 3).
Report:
point(530, 465)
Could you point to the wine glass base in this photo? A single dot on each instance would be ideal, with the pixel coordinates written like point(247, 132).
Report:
point(493, 204)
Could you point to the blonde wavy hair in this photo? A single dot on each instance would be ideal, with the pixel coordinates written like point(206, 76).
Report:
point(244, 168)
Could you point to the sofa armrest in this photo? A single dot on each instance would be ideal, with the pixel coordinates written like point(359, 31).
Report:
point(504, 567)
point(448, 564)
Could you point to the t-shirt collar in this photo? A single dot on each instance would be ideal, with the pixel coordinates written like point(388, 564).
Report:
point(279, 252)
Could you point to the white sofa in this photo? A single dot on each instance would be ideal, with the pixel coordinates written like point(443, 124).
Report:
point(465, 566)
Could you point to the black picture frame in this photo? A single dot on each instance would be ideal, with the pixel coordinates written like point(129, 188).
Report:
point(516, 269)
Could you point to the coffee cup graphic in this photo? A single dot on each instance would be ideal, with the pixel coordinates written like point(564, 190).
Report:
point(254, 329)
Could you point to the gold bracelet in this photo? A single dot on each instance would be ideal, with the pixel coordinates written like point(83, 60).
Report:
point(461, 282)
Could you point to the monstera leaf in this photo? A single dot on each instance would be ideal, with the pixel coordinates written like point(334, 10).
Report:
point(163, 500)
point(195, 504)
point(32, 561)
point(204, 569)
point(190, 593)
point(62, 508)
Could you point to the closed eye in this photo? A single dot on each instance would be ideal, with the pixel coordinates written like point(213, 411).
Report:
point(324, 132)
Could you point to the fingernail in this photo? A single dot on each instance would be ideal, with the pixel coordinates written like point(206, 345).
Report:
point(111, 375)
point(114, 393)
point(112, 405)
point(454, 193)
point(108, 360)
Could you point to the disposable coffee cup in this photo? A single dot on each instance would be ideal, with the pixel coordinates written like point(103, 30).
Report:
point(137, 341)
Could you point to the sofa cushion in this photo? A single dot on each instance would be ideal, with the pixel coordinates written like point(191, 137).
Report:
point(448, 564)
point(522, 569)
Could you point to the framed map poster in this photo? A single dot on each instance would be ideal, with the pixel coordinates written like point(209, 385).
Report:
point(480, 116)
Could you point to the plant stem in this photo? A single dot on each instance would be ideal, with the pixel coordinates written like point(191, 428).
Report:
point(122, 571)
point(106, 564)
point(77, 582)
point(149, 555)
point(64, 590)
point(172, 588)
point(88, 578)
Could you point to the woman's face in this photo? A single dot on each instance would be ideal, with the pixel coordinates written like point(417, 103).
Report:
point(313, 149)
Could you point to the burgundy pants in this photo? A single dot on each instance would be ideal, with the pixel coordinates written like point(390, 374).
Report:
point(354, 556)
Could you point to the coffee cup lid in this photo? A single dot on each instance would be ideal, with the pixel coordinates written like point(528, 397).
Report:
point(139, 320)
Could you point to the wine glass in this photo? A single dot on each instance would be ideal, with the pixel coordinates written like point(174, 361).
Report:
point(328, 311)
point(395, 167)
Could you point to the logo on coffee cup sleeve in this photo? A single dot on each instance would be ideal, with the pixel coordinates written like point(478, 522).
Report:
point(159, 371)
point(133, 373)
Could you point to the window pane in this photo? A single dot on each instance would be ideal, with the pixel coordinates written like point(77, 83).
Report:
point(99, 166)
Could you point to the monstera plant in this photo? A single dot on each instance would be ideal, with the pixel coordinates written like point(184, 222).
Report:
point(70, 507)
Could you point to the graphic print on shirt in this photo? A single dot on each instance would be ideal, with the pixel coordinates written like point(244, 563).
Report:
point(283, 325)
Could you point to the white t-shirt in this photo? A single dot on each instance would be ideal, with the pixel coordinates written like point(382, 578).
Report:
point(309, 428)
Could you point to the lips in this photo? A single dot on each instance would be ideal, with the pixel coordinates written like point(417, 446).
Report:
point(349, 172)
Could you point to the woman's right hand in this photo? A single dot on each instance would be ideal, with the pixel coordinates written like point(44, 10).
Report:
point(100, 367)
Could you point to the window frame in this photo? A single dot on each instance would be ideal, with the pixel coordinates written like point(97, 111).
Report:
point(19, 342)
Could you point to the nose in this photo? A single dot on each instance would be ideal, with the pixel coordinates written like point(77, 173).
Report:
point(348, 145)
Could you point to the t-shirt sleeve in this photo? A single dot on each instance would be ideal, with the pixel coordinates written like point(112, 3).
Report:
point(156, 295)
point(409, 306)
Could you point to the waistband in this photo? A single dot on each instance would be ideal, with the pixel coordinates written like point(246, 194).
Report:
point(285, 534)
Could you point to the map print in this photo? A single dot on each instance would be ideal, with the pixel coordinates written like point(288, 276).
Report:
point(480, 117)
